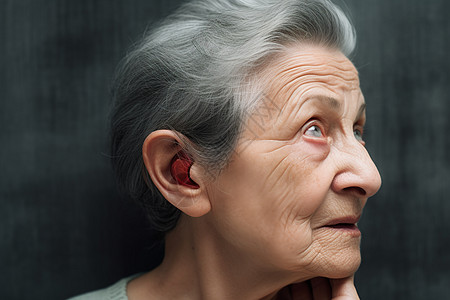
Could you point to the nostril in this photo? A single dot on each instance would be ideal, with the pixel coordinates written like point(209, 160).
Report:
point(357, 190)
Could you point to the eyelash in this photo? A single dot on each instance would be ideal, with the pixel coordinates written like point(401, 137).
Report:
point(311, 123)
point(363, 133)
point(316, 123)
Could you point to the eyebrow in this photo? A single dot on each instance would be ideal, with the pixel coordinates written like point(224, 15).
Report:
point(330, 102)
point(361, 111)
point(334, 104)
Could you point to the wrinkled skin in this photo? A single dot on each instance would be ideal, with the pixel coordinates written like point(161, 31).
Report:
point(264, 228)
point(297, 171)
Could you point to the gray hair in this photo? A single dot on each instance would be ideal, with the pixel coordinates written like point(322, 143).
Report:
point(195, 74)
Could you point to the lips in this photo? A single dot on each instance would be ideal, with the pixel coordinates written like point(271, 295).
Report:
point(347, 226)
point(344, 222)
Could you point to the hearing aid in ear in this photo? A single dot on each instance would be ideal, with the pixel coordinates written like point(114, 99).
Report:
point(180, 167)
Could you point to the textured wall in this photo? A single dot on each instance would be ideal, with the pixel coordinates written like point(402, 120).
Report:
point(404, 64)
point(63, 227)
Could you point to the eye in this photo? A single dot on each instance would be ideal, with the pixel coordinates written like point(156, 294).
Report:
point(314, 131)
point(358, 134)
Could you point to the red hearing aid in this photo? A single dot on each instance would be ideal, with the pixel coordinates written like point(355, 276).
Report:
point(180, 168)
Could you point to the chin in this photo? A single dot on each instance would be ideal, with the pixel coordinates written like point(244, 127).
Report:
point(338, 253)
point(342, 265)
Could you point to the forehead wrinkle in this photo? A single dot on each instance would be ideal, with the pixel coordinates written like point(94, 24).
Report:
point(292, 103)
point(291, 74)
point(297, 76)
point(309, 64)
point(310, 60)
point(347, 74)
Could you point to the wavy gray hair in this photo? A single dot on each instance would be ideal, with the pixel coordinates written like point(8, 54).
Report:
point(195, 74)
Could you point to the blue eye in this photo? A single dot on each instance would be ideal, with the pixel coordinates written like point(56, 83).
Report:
point(358, 134)
point(314, 131)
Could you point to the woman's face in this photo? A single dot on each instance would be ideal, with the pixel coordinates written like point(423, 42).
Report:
point(300, 174)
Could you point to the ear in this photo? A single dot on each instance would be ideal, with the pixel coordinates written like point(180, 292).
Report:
point(163, 148)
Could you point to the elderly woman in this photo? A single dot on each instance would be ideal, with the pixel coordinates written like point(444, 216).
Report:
point(238, 124)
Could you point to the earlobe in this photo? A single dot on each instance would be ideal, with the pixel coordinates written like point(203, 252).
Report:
point(169, 167)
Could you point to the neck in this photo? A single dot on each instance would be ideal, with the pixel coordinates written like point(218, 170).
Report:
point(199, 265)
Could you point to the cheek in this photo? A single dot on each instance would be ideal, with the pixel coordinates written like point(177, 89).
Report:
point(267, 197)
point(297, 181)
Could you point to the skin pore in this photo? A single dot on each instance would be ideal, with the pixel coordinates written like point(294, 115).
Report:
point(284, 210)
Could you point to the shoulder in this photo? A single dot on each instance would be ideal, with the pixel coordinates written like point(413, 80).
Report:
point(117, 291)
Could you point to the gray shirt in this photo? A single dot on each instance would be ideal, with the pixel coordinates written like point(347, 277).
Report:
point(117, 291)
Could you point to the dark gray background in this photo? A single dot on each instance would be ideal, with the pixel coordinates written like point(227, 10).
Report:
point(63, 227)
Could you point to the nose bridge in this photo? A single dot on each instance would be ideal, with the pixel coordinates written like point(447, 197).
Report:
point(358, 166)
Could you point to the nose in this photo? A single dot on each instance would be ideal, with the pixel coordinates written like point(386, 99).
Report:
point(356, 172)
